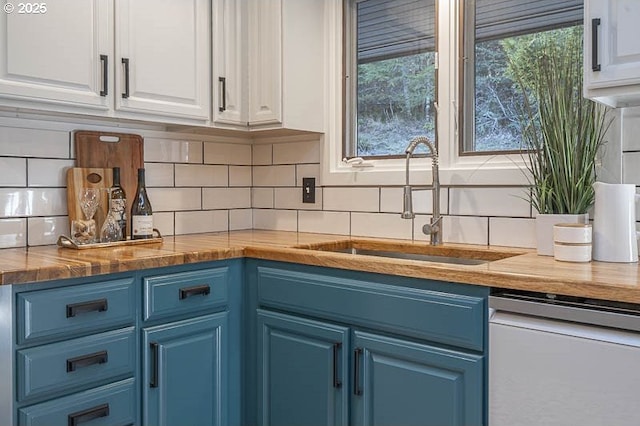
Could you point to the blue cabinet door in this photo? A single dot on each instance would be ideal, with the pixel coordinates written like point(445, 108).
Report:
point(398, 382)
point(302, 371)
point(185, 372)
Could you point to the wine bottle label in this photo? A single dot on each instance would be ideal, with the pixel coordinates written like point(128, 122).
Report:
point(142, 226)
point(119, 207)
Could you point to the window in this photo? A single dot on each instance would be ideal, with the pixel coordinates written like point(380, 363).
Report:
point(496, 32)
point(390, 48)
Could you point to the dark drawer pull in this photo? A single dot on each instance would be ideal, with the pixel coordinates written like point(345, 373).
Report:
point(86, 360)
point(105, 74)
point(595, 65)
point(336, 380)
point(192, 291)
point(84, 416)
point(153, 382)
point(74, 309)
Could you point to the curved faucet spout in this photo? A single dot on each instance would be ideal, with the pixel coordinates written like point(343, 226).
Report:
point(435, 228)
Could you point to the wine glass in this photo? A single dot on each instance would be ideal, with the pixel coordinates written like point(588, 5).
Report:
point(89, 199)
point(110, 230)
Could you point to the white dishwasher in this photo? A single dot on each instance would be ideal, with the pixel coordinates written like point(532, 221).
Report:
point(564, 361)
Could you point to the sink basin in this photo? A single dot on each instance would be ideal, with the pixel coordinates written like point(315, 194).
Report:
point(414, 251)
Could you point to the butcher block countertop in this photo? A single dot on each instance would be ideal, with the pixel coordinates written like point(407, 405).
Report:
point(514, 268)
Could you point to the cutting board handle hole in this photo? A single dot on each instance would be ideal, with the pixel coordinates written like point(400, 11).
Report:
point(94, 178)
point(110, 139)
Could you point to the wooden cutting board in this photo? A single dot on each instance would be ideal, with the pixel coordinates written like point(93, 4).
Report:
point(81, 177)
point(107, 150)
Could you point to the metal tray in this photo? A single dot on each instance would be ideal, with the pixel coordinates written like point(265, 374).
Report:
point(66, 242)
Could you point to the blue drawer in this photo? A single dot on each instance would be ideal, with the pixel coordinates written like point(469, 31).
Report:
point(67, 311)
point(110, 405)
point(185, 292)
point(75, 363)
point(447, 318)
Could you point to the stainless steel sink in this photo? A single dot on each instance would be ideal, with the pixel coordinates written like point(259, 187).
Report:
point(414, 256)
point(414, 251)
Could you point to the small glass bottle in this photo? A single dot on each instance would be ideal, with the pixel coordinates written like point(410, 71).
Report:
point(141, 211)
point(111, 231)
point(118, 203)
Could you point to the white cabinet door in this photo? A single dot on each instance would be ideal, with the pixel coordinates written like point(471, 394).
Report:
point(287, 64)
point(612, 50)
point(229, 59)
point(163, 54)
point(265, 61)
point(55, 56)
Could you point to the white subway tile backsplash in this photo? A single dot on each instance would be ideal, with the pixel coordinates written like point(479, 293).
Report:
point(239, 175)
point(158, 174)
point(175, 199)
point(262, 155)
point(262, 198)
point(291, 198)
point(631, 167)
point(14, 171)
point(391, 200)
point(274, 176)
point(631, 129)
point(226, 198)
point(48, 173)
point(227, 153)
point(24, 142)
point(13, 233)
point(172, 151)
point(351, 199)
point(240, 219)
point(512, 232)
point(33, 202)
point(324, 222)
point(164, 222)
point(460, 229)
point(382, 225)
point(202, 221)
point(510, 202)
point(296, 152)
point(279, 220)
point(201, 175)
point(306, 171)
point(46, 230)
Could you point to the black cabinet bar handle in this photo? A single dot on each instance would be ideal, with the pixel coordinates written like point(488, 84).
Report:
point(202, 290)
point(154, 368)
point(356, 371)
point(336, 380)
point(125, 62)
point(74, 309)
point(86, 360)
point(223, 93)
point(74, 419)
point(105, 71)
point(595, 66)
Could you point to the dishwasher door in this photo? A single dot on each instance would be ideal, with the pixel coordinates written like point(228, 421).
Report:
point(551, 372)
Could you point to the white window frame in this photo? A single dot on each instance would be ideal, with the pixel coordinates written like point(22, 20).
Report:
point(498, 169)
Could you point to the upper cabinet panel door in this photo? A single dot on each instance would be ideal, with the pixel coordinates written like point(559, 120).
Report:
point(61, 55)
point(163, 57)
point(229, 64)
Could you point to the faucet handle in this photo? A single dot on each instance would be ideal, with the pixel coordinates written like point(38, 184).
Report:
point(430, 228)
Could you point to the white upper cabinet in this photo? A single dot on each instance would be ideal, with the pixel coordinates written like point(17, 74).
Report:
point(229, 62)
point(286, 64)
point(63, 54)
point(163, 57)
point(612, 52)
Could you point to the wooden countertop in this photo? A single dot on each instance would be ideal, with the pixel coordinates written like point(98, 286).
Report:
point(523, 269)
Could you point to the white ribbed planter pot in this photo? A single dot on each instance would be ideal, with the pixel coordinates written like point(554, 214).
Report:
point(544, 229)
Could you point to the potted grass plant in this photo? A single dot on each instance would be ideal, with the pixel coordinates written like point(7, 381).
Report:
point(562, 131)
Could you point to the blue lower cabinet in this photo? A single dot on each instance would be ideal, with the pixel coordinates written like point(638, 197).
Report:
point(184, 377)
point(110, 405)
point(302, 377)
point(398, 382)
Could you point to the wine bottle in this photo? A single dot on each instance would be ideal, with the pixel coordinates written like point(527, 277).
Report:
point(119, 202)
point(141, 211)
